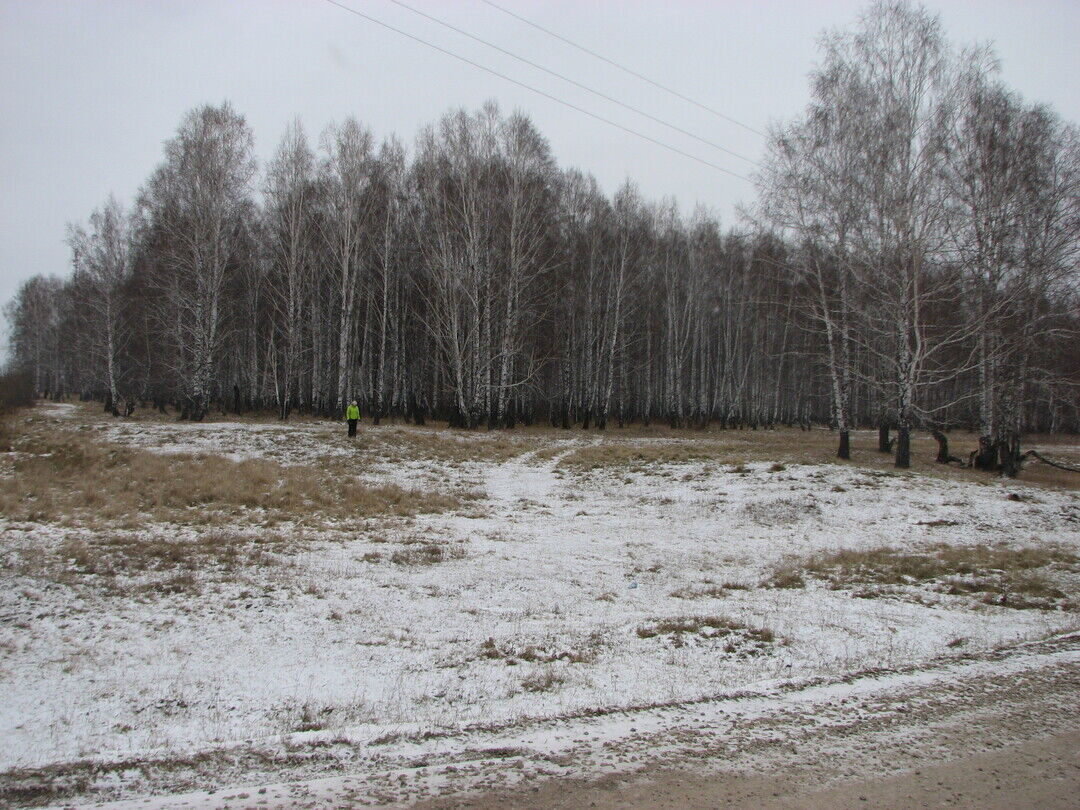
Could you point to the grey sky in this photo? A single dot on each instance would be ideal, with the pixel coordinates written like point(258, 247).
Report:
point(89, 90)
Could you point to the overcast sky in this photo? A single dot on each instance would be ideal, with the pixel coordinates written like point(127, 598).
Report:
point(89, 90)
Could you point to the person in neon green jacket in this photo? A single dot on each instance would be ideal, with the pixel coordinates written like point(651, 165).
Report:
point(352, 416)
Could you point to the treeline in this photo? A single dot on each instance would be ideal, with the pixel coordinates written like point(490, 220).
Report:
point(911, 260)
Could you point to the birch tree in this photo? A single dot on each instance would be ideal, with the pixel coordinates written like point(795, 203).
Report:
point(101, 266)
point(896, 75)
point(290, 198)
point(346, 174)
point(34, 318)
point(808, 191)
point(528, 250)
point(196, 202)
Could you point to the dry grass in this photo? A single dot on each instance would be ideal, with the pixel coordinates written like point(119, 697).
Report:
point(132, 564)
point(891, 566)
point(66, 477)
point(699, 625)
point(547, 652)
point(780, 512)
point(707, 591)
point(97, 779)
point(311, 715)
point(112, 555)
point(736, 636)
point(549, 453)
point(427, 553)
point(784, 446)
point(636, 457)
point(9, 432)
point(545, 680)
point(779, 445)
point(430, 444)
point(390, 442)
point(786, 576)
point(131, 555)
point(1015, 577)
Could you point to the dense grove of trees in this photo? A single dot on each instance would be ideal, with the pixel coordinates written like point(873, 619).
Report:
point(910, 261)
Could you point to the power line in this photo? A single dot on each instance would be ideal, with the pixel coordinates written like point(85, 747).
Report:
point(574, 82)
point(556, 99)
point(625, 69)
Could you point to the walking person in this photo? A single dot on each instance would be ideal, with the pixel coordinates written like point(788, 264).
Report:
point(352, 416)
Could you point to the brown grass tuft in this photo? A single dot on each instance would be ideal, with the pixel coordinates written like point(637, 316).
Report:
point(739, 637)
point(700, 592)
point(545, 680)
point(786, 576)
point(427, 553)
point(1014, 577)
point(585, 652)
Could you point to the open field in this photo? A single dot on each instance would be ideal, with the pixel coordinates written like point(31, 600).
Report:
point(266, 591)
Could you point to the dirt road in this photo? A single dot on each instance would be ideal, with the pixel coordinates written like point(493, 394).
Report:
point(1040, 773)
point(988, 739)
point(995, 730)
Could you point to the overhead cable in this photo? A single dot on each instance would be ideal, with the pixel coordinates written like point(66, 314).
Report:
point(539, 92)
point(574, 82)
point(625, 69)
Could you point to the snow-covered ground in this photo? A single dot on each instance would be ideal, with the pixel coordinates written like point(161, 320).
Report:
point(549, 600)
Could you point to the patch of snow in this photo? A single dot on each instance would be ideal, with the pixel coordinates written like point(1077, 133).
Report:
point(568, 564)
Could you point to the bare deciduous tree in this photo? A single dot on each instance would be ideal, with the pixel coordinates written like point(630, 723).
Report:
point(195, 205)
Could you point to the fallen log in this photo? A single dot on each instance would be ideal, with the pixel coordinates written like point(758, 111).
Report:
point(1036, 454)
